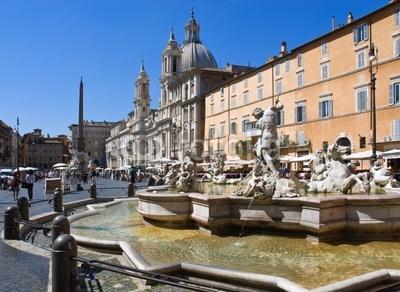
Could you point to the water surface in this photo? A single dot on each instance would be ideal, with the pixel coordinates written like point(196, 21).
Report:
point(308, 264)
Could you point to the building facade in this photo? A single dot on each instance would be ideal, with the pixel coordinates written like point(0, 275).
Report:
point(95, 134)
point(43, 152)
point(187, 72)
point(325, 87)
point(6, 134)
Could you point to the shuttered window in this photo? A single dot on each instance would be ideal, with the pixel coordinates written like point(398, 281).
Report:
point(396, 130)
point(360, 33)
point(362, 99)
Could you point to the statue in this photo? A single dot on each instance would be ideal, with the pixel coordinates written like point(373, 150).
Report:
point(264, 182)
point(172, 175)
point(318, 166)
point(215, 170)
point(338, 176)
point(187, 173)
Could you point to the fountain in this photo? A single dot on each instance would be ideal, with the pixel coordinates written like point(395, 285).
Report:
point(266, 201)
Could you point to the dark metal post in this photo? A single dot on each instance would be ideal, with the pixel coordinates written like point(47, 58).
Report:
point(57, 201)
point(131, 189)
point(11, 226)
point(60, 225)
point(64, 269)
point(373, 58)
point(23, 208)
point(93, 191)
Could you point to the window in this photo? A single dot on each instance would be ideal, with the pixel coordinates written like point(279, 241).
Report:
point(233, 101)
point(233, 88)
point(278, 86)
point(362, 99)
point(245, 121)
point(222, 126)
point(397, 17)
point(396, 130)
point(324, 49)
point(212, 108)
point(277, 69)
point(212, 98)
point(324, 71)
point(360, 33)
point(245, 83)
point(191, 89)
point(260, 92)
point(222, 104)
point(287, 66)
point(245, 97)
point(299, 60)
point(394, 92)
point(211, 133)
point(300, 79)
point(222, 92)
point(279, 118)
point(361, 56)
point(300, 138)
point(363, 142)
point(325, 107)
point(259, 77)
point(233, 128)
point(300, 112)
point(396, 46)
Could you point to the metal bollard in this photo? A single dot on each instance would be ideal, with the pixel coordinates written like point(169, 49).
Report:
point(93, 191)
point(11, 227)
point(64, 269)
point(57, 201)
point(23, 208)
point(131, 189)
point(60, 225)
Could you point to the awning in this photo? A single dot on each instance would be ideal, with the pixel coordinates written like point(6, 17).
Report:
point(304, 158)
point(364, 155)
point(163, 161)
point(286, 158)
point(238, 162)
point(391, 154)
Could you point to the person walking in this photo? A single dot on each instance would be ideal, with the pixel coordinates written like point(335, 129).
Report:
point(30, 180)
point(15, 181)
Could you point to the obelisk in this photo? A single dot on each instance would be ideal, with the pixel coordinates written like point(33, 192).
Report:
point(81, 138)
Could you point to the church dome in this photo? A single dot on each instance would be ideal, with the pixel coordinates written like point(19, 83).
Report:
point(194, 54)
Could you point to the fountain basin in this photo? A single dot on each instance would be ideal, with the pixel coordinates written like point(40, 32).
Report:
point(374, 217)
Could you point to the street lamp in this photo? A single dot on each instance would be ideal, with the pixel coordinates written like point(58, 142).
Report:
point(17, 146)
point(373, 58)
point(173, 130)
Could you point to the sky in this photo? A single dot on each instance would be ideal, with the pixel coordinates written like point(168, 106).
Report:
point(47, 45)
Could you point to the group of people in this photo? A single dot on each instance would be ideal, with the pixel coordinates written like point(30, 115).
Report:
point(17, 181)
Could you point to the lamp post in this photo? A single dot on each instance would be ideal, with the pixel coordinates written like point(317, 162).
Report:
point(373, 58)
point(173, 130)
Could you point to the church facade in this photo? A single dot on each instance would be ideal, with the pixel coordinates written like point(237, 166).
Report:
point(187, 72)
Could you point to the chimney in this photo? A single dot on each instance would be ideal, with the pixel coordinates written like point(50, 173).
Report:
point(350, 18)
point(333, 23)
point(283, 50)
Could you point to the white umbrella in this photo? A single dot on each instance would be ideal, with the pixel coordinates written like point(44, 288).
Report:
point(20, 169)
point(391, 154)
point(60, 165)
point(302, 158)
point(31, 168)
point(364, 155)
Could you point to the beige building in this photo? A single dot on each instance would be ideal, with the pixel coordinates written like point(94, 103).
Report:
point(325, 88)
point(43, 152)
point(95, 134)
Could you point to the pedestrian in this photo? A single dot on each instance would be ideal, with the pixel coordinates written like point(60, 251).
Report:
point(30, 180)
point(15, 181)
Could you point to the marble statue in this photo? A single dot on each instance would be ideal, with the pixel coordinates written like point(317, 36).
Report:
point(187, 172)
point(338, 176)
point(171, 177)
point(318, 166)
point(215, 170)
point(264, 181)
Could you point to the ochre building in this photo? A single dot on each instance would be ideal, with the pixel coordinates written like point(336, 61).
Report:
point(325, 87)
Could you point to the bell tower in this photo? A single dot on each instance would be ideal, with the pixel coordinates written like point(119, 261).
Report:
point(142, 98)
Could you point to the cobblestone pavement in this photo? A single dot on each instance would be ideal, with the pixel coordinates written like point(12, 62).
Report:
point(21, 271)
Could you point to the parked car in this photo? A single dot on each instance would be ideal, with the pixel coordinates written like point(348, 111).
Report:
point(5, 175)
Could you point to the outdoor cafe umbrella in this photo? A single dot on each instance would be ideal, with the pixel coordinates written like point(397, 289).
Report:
point(60, 165)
